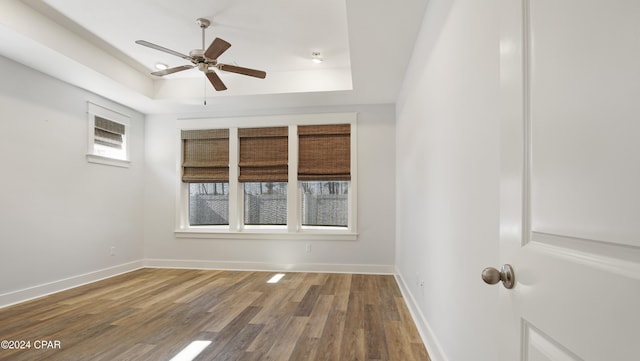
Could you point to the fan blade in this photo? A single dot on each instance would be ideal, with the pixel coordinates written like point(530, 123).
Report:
point(244, 71)
point(216, 81)
point(217, 47)
point(158, 47)
point(173, 70)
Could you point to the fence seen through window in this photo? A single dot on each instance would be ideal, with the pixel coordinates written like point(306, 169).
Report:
point(323, 203)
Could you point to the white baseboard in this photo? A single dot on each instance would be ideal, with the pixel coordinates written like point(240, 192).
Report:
point(426, 333)
point(26, 294)
point(259, 266)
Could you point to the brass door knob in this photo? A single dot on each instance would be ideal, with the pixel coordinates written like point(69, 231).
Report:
point(492, 276)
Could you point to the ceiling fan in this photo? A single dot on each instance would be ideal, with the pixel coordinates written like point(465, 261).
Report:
point(205, 60)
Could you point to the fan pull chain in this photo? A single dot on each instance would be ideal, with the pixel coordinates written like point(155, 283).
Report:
point(204, 89)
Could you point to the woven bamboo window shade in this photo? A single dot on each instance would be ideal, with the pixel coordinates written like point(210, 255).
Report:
point(108, 133)
point(324, 152)
point(263, 154)
point(205, 156)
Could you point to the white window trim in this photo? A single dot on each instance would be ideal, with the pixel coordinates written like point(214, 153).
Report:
point(293, 229)
point(94, 110)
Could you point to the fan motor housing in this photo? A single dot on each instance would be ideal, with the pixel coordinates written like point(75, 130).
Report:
point(197, 54)
point(197, 57)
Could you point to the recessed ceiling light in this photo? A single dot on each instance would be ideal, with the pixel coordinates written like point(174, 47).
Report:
point(161, 66)
point(316, 57)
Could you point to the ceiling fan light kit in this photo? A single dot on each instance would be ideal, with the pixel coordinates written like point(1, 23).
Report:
point(205, 60)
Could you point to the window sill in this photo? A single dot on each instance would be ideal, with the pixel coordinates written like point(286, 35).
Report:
point(98, 159)
point(253, 234)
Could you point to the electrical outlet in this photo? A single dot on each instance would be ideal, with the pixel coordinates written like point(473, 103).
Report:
point(112, 251)
point(308, 247)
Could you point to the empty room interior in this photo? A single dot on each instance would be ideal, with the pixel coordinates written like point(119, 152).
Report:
point(319, 180)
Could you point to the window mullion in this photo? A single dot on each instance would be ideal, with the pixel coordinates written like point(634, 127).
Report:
point(235, 194)
point(293, 213)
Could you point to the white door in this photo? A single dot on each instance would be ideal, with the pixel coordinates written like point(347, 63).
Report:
point(570, 179)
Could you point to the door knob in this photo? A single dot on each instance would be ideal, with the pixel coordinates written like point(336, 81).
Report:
point(492, 276)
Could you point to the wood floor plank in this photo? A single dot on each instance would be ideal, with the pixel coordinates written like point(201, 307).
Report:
point(230, 332)
point(353, 345)
point(211, 283)
point(405, 317)
point(355, 311)
point(272, 305)
point(308, 302)
point(306, 348)
point(398, 342)
point(329, 348)
point(420, 352)
point(135, 352)
point(387, 292)
point(343, 288)
point(376, 343)
point(286, 342)
point(298, 293)
point(229, 309)
point(236, 350)
point(319, 315)
point(274, 328)
point(153, 314)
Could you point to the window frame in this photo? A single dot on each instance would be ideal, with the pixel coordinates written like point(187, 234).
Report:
point(294, 229)
point(93, 111)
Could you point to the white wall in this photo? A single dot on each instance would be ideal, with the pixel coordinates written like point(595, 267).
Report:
point(376, 200)
point(447, 175)
point(59, 215)
point(373, 250)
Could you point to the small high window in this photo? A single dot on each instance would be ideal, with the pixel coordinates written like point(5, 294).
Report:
point(108, 136)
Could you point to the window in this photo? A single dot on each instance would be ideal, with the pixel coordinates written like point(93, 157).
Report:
point(268, 177)
point(264, 172)
point(324, 169)
point(108, 136)
point(205, 167)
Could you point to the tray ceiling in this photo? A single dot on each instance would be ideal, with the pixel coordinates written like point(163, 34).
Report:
point(365, 44)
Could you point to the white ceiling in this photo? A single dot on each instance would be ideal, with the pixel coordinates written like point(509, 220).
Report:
point(366, 46)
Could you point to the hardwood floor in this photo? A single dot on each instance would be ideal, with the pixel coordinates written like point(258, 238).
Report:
point(153, 314)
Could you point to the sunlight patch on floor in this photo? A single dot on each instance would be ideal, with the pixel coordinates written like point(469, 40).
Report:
point(276, 278)
point(191, 351)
